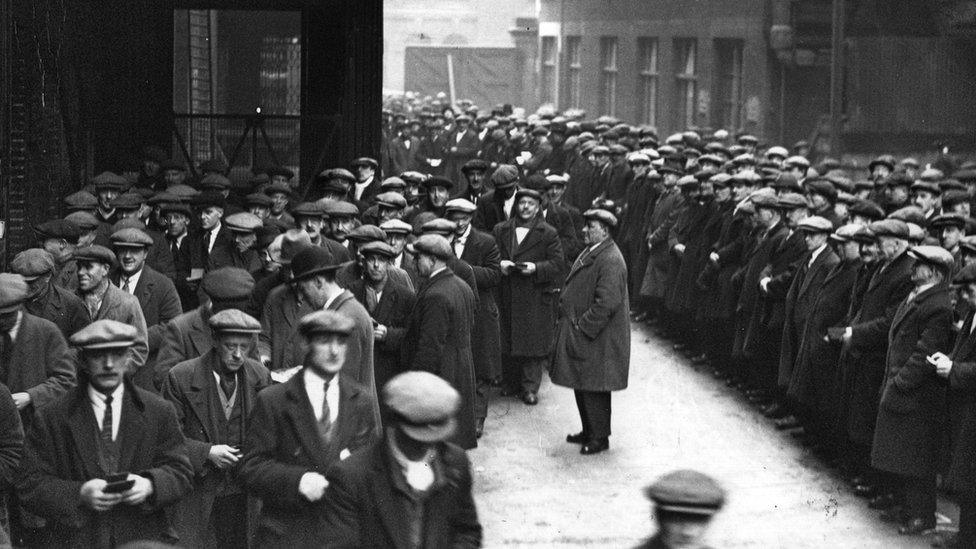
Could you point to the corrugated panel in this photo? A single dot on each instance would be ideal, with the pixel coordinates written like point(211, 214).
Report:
point(486, 76)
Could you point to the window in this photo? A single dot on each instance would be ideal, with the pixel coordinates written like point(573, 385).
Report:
point(686, 85)
point(728, 84)
point(574, 72)
point(608, 75)
point(547, 83)
point(647, 69)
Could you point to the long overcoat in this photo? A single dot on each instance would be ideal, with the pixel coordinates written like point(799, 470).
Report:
point(961, 477)
point(592, 349)
point(908, 434)
point(393, 311)
point(527, 312)
point(481, 253)
point(279, 338)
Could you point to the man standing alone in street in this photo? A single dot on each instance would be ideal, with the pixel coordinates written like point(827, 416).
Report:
point(592, 350)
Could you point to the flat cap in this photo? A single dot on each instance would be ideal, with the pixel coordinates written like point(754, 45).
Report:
point(258, 199)
point(845, 233)
point(109, 180)
point(391, 200)
point(897, 179)
point(32, 263)
point(366, 233)
point(279, 170)
point(916, 234)
point(412, 177)
point(933, 255)
point(949, 185)
point(393, 183)
point(601, 215)
point(365, 161)
point(431, 244)
point(460, 205)
point(81, 200)
point(95, 253)
point(822, 187)
point(326, 322)
point(228, 284)
point(175, 207)
point(215, 181)
point(104, 334)
point(504, 176)
point(84, 220)
point(396, 226)
point(909, 214)
point(210, 200)
point(746, 177)
point(128, 201)
point(687, 492)
point(423, 405)
point(278, 187)
point(243, 222)
point(777, 151)
point(438, 181)
point(966, 275)
point(816, 224)
point(531, 193)
point(787, 182)
point(309, 209)
point(889, 227)
point(233, 321)
point(185, 192)
point(131, 238)
point(13, 291)
point(557, 179)
point(293, 241)
point(866, 209)
point(950, 220)
point(312, 261)
point(334, 174)
point(797, 162)
point(441, 226)
point(339, 208)
point(378, 247)
point(931, 174)
point(883, 160)
point(930, 186)
point(791, 201)
point(475, 164)
point(128, 223)
point(764, 200)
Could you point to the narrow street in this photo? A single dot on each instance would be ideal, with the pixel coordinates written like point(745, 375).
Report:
point(534, 489)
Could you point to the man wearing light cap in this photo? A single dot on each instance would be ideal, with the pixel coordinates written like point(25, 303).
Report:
point(213, 396)
point(907, 438)
point(684, 503)
point(46, 299)
point(241, 253)
point(438, 338)
point(459, 146)
point(367, 185)
point(301, 428)
point(156, 294)
point(105, 460)
point(416, 466)
point(473, 185)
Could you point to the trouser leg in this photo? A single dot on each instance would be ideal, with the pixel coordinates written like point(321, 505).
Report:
point(482, 394)
point(228, 520)
point(532, 373)
point(597, 404)
point(967, 520)
point(581, 406)
point(920, 497)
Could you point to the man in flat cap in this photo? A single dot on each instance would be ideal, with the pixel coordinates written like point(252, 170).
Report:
point(60, 239)
point(410, 488)
point(156, 293)
point(278, 343)
point(310, 217)
point(280, 194)
point(685, 502)
point(907, 437)
point(472, 185)
point(389, 304)
point(213, 396)
point(241, 254)
point(367, 184)
point(438, 338)
point(186, 252)
point(592, 348)
point(405, 150)
point(300, 428)
point(212, 233)
point(108, 186)
point(313, 273)
point(496, 205)
point(459, 146)
point(188, 336)
point(44, 298)
point(105, 460)
point(105, 301)
point(532, 266)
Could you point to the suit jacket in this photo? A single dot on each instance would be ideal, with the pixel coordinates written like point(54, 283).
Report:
point(223, 242)
point(191, 387)
point(279, 339)
point(489, 212)
point(368, 502)
point(160, 303)
point(393, 311)
point(438, 340)
point(61, 307)
point(283, 444)
point(124, 307)
point(159, 256)
point(62, 454)
point(187, 257)
point(405, 159)
point(481, 253)
point(562, 221)
point(40, 364)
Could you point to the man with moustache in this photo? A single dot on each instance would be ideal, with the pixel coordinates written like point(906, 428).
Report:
point(213, 396)
point(302, 427)
point(310, 217)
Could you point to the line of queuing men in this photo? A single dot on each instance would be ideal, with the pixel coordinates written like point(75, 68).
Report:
point(241, 309)
point(841, 306)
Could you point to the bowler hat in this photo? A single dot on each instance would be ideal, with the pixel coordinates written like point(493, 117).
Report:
point(311, 261)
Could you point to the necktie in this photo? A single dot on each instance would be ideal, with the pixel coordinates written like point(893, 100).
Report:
point(206, 246)
point(325, 424)
point(106, 430)
point(371, 299)
point(125, 285)
point(174, 247)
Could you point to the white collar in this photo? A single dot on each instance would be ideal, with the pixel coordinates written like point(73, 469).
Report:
point(98, 398)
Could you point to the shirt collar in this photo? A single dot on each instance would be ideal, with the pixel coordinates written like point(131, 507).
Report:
point(435, 273)
point(816, 253)
point(98, 398)
point(133, 278)
point(16, 327)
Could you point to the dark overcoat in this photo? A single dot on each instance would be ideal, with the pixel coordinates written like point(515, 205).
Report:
point(369, 502)
point(62, 454)
point(527, 312)
point(160, 303)
point(393, 311)
point(489, 211)
point(40, 364)
point(592, 349)
point(908, 434)
point(718, 278)
point(961, 477)
point(659, 259)
point(755, 261)
point(696, 231)
point(124, 307)
point(191, 387)
point(438, 340)
point(767, 319)
point(868, 346)
point(481, 253)
point(61, 307)
point(279, 338)
point(283, 443)
point(359, 353)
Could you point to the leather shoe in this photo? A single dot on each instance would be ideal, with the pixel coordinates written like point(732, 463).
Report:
point(916, 526)
point(774, 411)
point(882, 502)
point(858, 480)
point(700, 359)
point(895, 514)
point(947, 540)
point(865, 491)
point(530, 398)
point(479, 429)
point(578, 438)
point(787, 422)
point(595, 446)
